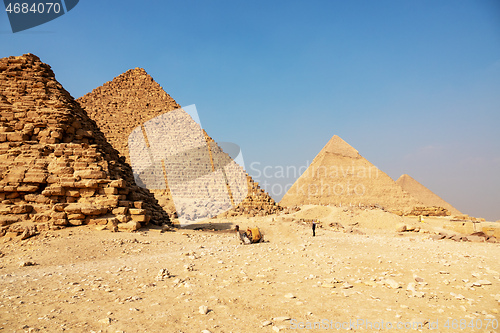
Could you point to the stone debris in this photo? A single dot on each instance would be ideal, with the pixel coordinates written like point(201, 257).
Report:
point(474, 237)
point(391, 283)
point(429, 211)
point(414, 293)
point(27, 263)
point(105, 321)
point(163, 274)
point(347, 285)
point(203, 309)
point(465, 217)
point(289, 295)
point(29, 231)
point(165, 228)
point(418, 278)
point(457, 296)
point(481, 283)
point(401, 227)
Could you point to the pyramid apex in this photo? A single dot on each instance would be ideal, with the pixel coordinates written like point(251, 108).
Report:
point(134, 73)
point(137, 70)
point(30, 56)
point(338, 146)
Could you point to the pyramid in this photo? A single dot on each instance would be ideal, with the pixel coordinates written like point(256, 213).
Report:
point(340, 176)
point(57, 169)
point(422, 193)
point(133, 98)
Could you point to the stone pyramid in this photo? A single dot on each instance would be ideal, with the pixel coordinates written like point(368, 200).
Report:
point(340, 176)
point(57, 169)
point(422, 193)
point(133, 98)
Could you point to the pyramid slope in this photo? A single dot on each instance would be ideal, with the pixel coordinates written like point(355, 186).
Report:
point(120, 105)
point(56, 167)
point(422, 193)
point(339, 175)
point(133, 98)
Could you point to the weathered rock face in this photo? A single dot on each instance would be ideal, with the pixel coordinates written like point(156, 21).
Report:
point(339, 175)
point(56, 167)
point(133, 98)
point(429, 211)
point(426, 196)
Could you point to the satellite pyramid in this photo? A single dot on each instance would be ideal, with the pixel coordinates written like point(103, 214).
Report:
point(423, 194)
point(133, 99)
point(57, 168)
point(340, 176)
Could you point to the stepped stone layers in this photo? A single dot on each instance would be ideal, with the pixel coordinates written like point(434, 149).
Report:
point(56, 167)
point(132, 99)
point(422, 193)
point(339, 175)
point(121, 105)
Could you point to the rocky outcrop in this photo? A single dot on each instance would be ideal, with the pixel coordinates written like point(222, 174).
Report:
point(429, 211)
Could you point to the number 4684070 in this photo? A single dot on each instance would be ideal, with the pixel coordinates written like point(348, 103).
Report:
point(40, 8)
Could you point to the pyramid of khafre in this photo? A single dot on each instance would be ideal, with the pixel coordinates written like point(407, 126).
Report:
point(133, 98)
point(56, 167)
point(339, 175)
point(422, 193)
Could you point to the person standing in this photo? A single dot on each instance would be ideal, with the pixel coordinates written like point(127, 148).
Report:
point(314, 228)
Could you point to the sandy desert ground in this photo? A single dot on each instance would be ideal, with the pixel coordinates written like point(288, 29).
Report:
point(84, 280)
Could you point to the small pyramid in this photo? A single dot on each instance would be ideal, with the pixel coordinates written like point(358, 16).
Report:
point(57, 169)
point(340, 176)
point(133, 98)
point(422, 193)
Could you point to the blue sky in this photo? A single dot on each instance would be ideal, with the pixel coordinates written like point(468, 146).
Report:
point(414, 86)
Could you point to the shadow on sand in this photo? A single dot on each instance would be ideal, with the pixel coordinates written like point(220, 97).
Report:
point(221, 227)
